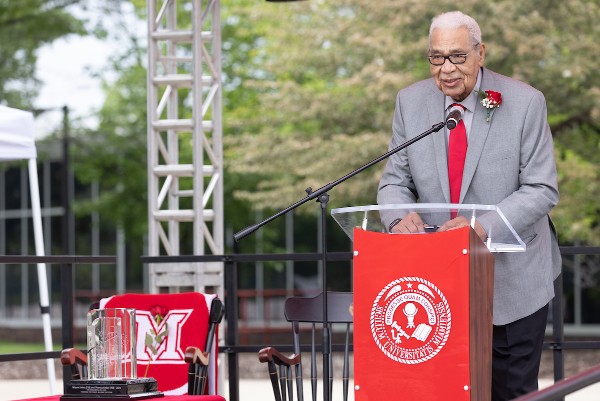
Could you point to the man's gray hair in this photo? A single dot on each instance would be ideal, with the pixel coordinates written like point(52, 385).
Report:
point(455, 20)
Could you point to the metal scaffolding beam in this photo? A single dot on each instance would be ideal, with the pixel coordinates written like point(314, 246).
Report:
point(185, 157)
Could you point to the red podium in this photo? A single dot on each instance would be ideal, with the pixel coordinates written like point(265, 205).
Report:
point(423, 303)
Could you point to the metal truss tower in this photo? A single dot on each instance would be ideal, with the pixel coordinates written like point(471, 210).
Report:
point(185, 158)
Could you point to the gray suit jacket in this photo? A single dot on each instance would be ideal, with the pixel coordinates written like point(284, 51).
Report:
point(509, 163)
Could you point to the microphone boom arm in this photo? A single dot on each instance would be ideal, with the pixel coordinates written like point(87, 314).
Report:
point(325, 188)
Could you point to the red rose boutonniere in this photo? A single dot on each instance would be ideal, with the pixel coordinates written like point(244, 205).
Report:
point(490, 100)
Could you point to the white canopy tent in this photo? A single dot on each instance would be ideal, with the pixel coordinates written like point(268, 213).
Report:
point(17, 142)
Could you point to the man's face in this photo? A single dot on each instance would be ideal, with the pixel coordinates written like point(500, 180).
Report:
point(455, 80)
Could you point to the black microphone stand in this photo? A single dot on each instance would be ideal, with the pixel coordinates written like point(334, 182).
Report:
point(323, 198)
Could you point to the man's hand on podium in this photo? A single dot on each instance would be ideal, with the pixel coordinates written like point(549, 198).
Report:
point(461, 221)
point(410, 224)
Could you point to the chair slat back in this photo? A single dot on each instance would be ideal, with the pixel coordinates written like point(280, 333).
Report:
point(310, 310)
point(299, 310)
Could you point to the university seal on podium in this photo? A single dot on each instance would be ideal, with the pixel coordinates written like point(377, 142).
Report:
point(410, 320)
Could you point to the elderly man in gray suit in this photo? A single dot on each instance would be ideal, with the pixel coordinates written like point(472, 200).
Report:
point(509, 162)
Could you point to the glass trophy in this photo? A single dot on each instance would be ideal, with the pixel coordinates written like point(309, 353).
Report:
point(111, 343)
point(111, 360)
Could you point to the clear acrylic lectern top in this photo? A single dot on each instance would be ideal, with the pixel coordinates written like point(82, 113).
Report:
point(501, 235)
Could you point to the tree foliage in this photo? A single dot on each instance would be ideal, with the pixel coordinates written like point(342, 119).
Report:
point(309, 92)
point(321, 77)
point(114, 154)
point(25, 26)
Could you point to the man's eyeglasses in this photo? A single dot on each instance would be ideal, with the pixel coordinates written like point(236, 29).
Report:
point(438, 59)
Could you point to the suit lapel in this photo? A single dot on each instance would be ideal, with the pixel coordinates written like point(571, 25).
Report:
point(436, 114)
point(480, 129)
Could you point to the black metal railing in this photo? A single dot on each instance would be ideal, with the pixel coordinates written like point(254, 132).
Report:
point(67, 266)
point(232, 347)
point(565, 387)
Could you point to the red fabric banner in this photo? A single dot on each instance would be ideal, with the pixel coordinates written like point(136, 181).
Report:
point(411, 316)
point(166, 325)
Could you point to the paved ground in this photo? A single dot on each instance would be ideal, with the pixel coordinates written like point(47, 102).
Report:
point(250, 390)
point(254, 385)
point(19, 389)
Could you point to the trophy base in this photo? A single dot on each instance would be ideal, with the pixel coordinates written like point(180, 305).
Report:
point(108, 397)
point(108, 389)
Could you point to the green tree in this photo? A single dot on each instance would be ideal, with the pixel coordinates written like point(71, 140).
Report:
point(25, 26)
point(309, 91)
point(325, 75)
point(114, 155)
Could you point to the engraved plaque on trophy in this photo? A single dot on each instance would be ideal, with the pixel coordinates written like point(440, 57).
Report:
point(112, 365)
point(112, 388)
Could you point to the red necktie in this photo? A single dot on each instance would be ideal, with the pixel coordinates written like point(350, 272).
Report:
point(457, 150)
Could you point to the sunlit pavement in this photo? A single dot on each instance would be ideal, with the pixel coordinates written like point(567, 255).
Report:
point(250, 390)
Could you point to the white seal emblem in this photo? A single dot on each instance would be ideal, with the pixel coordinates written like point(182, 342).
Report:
point(410, 320)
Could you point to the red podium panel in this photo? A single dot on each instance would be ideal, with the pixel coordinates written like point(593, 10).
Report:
point(422, 316)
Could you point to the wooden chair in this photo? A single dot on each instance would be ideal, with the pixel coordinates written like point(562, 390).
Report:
point(285, 370)
point(184, 360)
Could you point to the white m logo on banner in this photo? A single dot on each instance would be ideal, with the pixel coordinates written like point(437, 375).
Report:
point(169, 349)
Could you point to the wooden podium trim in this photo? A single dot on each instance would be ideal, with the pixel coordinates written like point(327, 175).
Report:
point(481, 299)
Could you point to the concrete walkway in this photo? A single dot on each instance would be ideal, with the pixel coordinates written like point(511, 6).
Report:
point(250, 390)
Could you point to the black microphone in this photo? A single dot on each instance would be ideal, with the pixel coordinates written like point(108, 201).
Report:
point(455, 114)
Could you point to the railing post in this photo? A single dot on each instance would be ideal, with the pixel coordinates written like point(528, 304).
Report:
point(231, 316)
point(67, 304)
point(558, 329)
